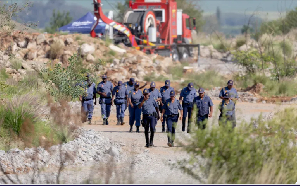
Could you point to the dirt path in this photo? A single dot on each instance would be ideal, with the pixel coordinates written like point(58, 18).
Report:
point(153, 167)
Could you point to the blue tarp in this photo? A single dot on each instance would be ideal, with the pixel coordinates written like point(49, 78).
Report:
point(84, 25)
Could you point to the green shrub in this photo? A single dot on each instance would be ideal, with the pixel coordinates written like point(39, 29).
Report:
point(77, 38)
point(30, 81)
point(3, 75)
point(245, 155)
point(286, 47)
point(112, 53)
point(240, 42)
point(206, 80)
point(16, 63)
point(152, 77)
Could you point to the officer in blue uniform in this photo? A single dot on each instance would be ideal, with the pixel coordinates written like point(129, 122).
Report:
point(120, 101)
point(188, 94)
point(170, 109)
point(134, 111)
point(165, 95)
point(87, 99)
point(130, 87)
point(231, 91)
point(150, 115)
point(105, 89)
point(204, 107)
point(227, 110)
point(154, 93)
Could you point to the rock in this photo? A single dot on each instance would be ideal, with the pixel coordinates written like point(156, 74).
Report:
point(10, 70)
point(117, 49)
point(244, 48)
point(40, 39)
point(86, 49)
point(31, 45)
point(22, 72)
point(264, 102)
point(22, 44)
point(294, 100)
point(68, 53)
point(26, 66)
point(216, 55)
point(31, 54)
point(69, 41)
point(116, 61)
point(205, 52)
point(90, 58)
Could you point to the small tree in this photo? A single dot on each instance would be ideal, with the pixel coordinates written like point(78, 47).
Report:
point(58, 20)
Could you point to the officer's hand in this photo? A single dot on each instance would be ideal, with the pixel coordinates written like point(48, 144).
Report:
point(162, 119)
point(158, 116)
point(210, 115)
point(104, 94)
point(180, 117)
point(146, 83)
point(80, 98)
point(131, 105)
point(112, 102)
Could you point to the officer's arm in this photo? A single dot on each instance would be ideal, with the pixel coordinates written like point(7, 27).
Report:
point(142, 103)
point(220, 95)
point(143, 85)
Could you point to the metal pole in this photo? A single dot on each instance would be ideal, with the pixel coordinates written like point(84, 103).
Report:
point(198, 55)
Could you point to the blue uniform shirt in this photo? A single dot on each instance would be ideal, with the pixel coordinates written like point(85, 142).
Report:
point(149, 106)
point(135, 97)
point(188, 95)
point(89, 90)
point(129, 88)
point(165, 93)
point(227, 109)
point(172, 108)
point(203, 104)
point(155, 94)
point(106, 88)
point(120, 92)
point(232, 92)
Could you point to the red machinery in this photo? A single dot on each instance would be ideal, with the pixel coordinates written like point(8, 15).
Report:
point(153, 26)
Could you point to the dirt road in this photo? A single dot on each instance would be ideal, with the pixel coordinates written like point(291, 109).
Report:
point(153, 166)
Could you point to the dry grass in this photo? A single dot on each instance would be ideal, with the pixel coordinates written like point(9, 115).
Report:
point(56, 50)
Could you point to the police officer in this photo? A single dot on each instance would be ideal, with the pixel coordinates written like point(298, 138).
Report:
point(154, 93)
point(170, 109)
point(188, 94)
point(165, 95)
point(130, 87)
point(87, 99)
point(227, 109)
point(231, 91)
point(105, 89)
point(150, 115)
point(134, 111)
point(204, 106)
point(120, 101)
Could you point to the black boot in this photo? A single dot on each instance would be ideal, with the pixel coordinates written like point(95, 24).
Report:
point(130, 130)
point(183, 125)
point(151, 139)
point(188, 128)
point(169, 141)
point(147, 139)
point(118, 121)
point(138, 129)
point(122, 121)
point(90, 121)
point(104, 121)
point(163, 129)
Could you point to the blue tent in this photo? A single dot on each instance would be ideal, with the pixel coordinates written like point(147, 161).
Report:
point(84, 25)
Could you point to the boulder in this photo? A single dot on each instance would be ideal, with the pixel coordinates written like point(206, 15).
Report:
point(205, 52)
point(244, 48)
point(69, 41)
point(31, 45)
point(22, 44)
point(31, 54)
point(216, 55)
point(86, 49)
point(90, 58)
point(10, 71)
point(40, 39)
point(26, 66)
point(116, 61)
point(117, 49)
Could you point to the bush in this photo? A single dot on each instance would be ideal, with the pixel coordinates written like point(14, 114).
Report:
point(246, 155)
point(152, 77)
point(240, 42)
point(206, 80)
point(112, 53)
point(16, 63)
point(56, 49)
point(78, 38)
point(287, 49)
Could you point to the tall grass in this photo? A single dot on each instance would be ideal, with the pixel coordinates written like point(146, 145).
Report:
point(16, 63)
point(245, 155)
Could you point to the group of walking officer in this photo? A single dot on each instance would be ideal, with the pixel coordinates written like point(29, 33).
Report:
point(150, 103)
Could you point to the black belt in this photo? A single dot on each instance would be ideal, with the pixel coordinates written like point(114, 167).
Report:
point(87, 99)
point(186, 103)
point(172, 115)
point(104, 97)
point(120, 98)
point(148, 115)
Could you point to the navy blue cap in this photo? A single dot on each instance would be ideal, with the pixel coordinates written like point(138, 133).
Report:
point(152, 84)
point(146, 91)
point(136, 84)
point(226, 95)
point(172, 93)
point(201, 90)
point(131, 80)
point(104, 77)
point(230, 82)
point(119, 83)
point(167, 82)
point(87, 75)
point(190, 86)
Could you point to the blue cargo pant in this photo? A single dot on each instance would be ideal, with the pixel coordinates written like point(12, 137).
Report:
point(105, 107)
point(149, 122)
point(202, 121)
point(120, 106)
point(135, 115)
point(171, 125)
point(187, 111)
point(88, 106)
